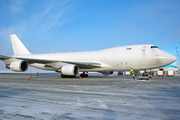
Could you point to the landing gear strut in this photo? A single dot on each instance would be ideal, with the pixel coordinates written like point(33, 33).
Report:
point(84, 75)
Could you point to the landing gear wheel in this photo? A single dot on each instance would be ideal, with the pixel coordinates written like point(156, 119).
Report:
point(62, 76)
point(84, 75)
point(68, 76)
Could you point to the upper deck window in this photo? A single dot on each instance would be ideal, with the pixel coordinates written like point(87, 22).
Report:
point(154, 47)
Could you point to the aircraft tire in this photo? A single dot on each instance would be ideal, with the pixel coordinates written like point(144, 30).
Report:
point(84, 75)
point(68, 76)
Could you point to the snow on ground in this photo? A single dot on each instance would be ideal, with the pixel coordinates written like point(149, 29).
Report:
point(94, 98)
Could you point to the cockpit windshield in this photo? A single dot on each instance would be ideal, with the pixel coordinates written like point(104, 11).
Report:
point(154, 47)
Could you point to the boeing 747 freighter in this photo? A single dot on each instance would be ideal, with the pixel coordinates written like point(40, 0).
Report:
point(138, 57)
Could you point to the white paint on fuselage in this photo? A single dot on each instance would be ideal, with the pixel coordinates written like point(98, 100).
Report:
point(138, 57)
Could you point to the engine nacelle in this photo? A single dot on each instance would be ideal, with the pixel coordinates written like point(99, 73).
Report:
point(70, 69)
point(19, 66)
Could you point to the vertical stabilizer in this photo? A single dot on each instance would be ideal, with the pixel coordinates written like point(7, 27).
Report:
point(18, 46)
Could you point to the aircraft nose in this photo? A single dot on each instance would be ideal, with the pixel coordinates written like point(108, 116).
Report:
point(166, 58)
point(173, 58)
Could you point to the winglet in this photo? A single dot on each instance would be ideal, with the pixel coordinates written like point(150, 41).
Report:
point(18, 46)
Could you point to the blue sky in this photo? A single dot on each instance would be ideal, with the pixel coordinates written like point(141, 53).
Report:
point(46, 26)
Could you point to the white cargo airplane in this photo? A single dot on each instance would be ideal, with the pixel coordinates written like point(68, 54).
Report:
point(138, 57)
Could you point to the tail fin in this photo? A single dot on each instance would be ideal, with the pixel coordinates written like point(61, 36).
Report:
point(18, 46)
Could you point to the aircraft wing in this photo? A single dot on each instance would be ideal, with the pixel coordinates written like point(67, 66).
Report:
point(82, 65)
point(85, 65)
point(2, 57)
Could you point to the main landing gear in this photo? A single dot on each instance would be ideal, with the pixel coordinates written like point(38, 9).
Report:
point(68, 76)
point(84, 75)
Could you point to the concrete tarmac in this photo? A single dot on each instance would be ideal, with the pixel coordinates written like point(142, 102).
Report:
point(49, 97)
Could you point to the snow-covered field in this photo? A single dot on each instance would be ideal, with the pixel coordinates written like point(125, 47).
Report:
point(94, 98)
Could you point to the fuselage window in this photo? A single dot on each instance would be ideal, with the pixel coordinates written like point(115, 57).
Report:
point(154, 47)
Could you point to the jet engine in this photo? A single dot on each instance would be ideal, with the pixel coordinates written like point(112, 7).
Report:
point(19, 66)
point(70, 69)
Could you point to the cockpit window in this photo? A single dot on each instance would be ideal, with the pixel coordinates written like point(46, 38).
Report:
point(154, 47)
